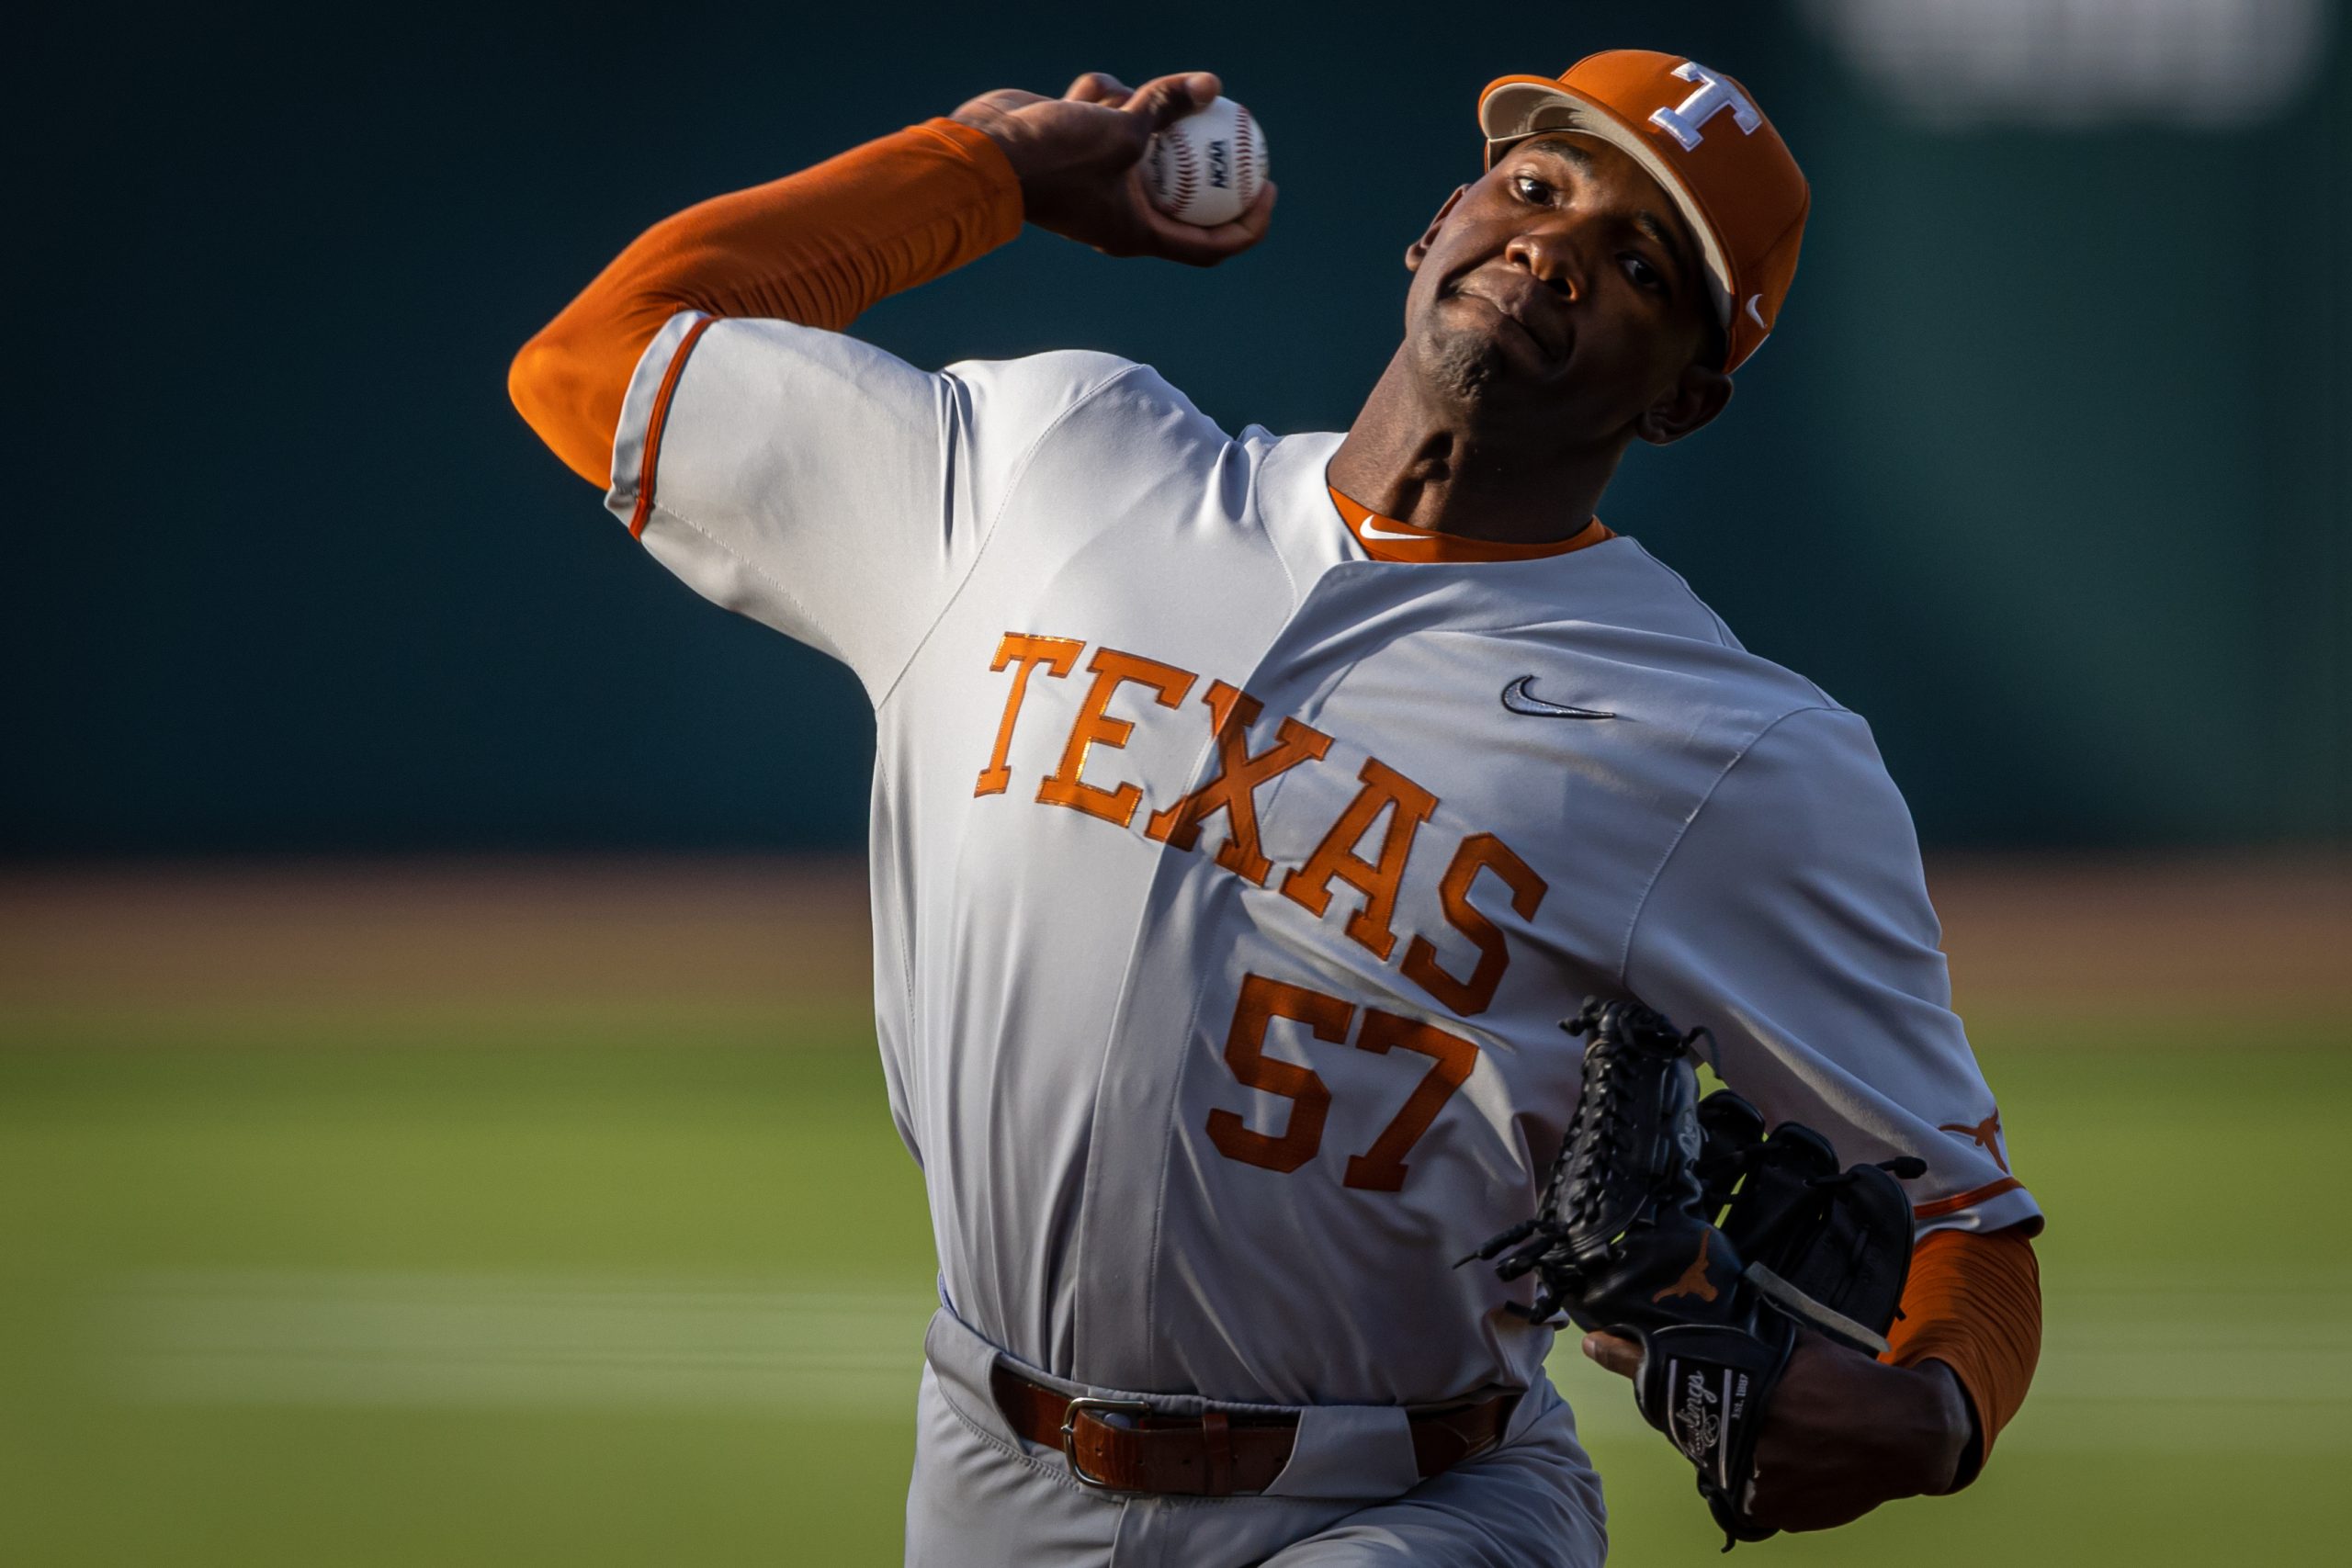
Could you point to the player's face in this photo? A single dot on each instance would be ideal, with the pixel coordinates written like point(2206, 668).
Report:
point(1563, 292)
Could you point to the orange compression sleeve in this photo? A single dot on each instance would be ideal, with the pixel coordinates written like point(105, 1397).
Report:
point(1973, 1302)
point(817, 247)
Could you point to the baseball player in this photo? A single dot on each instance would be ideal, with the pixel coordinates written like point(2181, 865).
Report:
point(1249, 810)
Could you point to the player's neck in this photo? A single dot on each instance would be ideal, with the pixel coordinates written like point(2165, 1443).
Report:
point(1428, 466)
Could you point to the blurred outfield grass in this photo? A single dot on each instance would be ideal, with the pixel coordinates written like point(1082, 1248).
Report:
point(476, 1283)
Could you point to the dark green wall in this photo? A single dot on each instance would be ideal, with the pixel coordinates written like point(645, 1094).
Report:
point(2046, 471)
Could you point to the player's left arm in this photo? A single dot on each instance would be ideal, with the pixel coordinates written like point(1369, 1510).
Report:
point(1792, 918)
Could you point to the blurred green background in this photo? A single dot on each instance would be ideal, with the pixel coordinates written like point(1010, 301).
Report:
point(454, 1301)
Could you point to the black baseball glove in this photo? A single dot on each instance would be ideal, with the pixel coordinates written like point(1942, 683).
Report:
point(1680, 1224)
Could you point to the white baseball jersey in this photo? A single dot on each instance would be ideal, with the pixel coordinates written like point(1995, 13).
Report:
point(1224, 910)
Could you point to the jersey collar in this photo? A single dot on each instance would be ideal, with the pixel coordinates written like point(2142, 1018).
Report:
point(1386, 540)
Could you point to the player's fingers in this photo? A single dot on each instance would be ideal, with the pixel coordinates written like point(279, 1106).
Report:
point(1199, 246)
point(1001, 101)
point(1100, 87)
point(1187, 242)
point(1251, 226)
point(1164, 100)
point(1615, 1354)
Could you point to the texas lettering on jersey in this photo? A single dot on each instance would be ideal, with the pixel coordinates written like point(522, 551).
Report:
point(1232, 789)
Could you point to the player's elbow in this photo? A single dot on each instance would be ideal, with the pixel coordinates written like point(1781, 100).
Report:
point(559, 394)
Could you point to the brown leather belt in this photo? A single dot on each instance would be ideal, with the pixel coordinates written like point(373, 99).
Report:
point(1217, 1452)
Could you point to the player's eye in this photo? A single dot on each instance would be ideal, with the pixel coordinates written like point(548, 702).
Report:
point(1530, 188)
point(1644, 276)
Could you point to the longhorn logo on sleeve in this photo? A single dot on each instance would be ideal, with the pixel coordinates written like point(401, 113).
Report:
point(1985, 1135)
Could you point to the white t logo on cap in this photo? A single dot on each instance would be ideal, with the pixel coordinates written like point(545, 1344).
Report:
point(1715, 95)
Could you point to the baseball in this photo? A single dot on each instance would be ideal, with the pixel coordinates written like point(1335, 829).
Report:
point(1209, 167)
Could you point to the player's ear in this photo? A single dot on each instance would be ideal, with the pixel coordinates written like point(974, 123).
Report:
point(1421, 247)
point(1697, 396)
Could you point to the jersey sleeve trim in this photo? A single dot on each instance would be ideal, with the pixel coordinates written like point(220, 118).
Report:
point(1938, 1207)
point(656, 419)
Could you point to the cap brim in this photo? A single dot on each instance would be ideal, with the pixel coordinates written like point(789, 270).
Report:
point(1520, 106)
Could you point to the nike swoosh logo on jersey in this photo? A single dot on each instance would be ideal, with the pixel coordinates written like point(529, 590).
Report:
point(1519, 699)
point(1391, 535)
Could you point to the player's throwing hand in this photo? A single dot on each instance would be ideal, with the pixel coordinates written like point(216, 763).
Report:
point(1078, 157)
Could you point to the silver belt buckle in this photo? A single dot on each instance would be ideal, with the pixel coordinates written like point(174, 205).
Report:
point(1070, 1431)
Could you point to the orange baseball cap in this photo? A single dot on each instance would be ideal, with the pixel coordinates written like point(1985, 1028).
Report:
point(1701, 137)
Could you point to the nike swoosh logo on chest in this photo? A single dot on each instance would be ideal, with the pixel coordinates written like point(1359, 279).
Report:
point(1519, 698)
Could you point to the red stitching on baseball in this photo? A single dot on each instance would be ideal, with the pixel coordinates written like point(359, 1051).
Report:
point(1245, 166)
